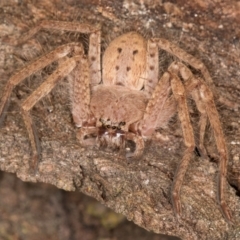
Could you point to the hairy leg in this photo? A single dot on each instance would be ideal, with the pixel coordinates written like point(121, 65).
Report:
point(138, 140)
point(32, 68)
point(191, 85)
point(207, 98)
point(195, 63)
point(94, 51)
point(63, 69)
point(183, 113)
point(204, 100)
point(152, 69)
point(155, 106)
point(54, 25)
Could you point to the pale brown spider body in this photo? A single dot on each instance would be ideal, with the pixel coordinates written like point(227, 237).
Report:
point(125, 100)
point(116, 109)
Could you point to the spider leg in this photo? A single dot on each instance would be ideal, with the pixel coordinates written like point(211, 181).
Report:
point(204, 100)
point(184, 56)
point(195, 63)
point(83, 132)
point(207, 98)
point(149, 123)
point(80, 94)
point(32, 68)
point(54, 25)
point(152, 69)
point(94, 56)
point(138, 140)
point(155, 105)
point(156, 111)
point(170, 107)
point(94, 51)
point(168, 111)
point(191, 85)
point(63, 70)
point(183, 113)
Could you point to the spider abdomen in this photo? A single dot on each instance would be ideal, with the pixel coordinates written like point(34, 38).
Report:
point(124, 61)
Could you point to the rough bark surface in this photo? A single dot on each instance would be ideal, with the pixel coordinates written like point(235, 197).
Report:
point(139, 189)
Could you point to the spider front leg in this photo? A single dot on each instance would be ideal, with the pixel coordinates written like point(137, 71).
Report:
point(155, 108)
point(207, 99)
point(204, 100)
point(32, 68)
point(138, 140)
point(92, 69)
point(191, 85)
point(65, 68)
point(183, 113)
point(195, 63)
point(94, 51)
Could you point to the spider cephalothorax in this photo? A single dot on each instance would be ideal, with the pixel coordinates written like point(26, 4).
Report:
point(119, 95)
point(115, 112)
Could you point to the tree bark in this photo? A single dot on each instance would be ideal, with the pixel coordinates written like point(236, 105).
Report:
point(139, 189)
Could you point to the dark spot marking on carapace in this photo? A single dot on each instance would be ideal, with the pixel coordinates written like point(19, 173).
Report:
point(135, 52)
point(152, 55)
point(93, 59)
point(119, 50)
point(151, 68)
point(119, 84)
point(117, 68)
point(128, 69)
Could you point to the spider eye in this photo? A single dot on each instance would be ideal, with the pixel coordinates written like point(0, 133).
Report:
point(122, 123)
point(108, 126)
point(114, 127)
